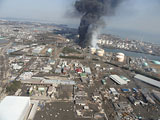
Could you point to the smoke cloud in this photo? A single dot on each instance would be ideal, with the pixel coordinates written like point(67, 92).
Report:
point(92, 12)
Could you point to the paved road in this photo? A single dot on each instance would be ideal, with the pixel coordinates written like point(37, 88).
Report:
point(3, 54)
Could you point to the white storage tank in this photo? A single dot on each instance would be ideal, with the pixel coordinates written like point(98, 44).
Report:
point(120, 57)
point(93, 50)
point(100, 52)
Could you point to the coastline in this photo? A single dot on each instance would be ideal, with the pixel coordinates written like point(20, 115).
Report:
point(134, 51)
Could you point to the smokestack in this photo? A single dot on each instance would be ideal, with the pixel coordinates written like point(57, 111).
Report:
point(93, 11)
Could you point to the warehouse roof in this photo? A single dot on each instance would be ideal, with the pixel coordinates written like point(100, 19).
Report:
point(147, 80)
point(63, 82)
point(114, 92)
point(118, 80)
point(13, 107)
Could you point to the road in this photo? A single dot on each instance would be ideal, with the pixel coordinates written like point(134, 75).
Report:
point(3, 54)
point(3, 49)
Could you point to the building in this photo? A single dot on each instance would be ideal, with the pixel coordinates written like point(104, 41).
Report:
point(124, 78)
point(81, 94)
point(156, 62)
point(125, 90)
point(38, 49)
point(26, 75)
point(156, 94)
point(47, 68)
point(103, 82)
point(114, 92)
point(147, 80)
point(133, 100)
point(58, 70)
point(118, 80)
point(51, 89)
point(79, 70)
point(87, 70)
point(83, 75)
point(62, 82)
point(14, 108)
point(80, 102)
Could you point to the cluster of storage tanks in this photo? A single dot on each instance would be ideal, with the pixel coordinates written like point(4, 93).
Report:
point(99, 52)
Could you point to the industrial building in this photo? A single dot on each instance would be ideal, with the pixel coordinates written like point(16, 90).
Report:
point(48, 82)
point(155, 62)
point(38, 49)
point(114, 92)
point(117, 79)
point(147, 80)
point(156, 94)
point(88, 70)
point(120, 57)
point(18, 108)
point(133, 100)
point(14, 108)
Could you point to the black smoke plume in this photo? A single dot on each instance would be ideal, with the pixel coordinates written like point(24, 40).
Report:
point(93, 11)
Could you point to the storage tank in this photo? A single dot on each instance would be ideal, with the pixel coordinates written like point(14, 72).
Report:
point(120, 57)
point(145, 64)
point(100, 52)
point(49, 50)
point(93, 50)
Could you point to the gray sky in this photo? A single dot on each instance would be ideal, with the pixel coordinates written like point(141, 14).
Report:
point(140, 17)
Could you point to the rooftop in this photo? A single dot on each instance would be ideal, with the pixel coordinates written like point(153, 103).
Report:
point(118, 80)
point(147, 80)
point(13, 107)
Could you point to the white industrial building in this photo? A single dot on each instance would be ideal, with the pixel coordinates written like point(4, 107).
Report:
point(14, 108)
point(117, 79)
point(114, 91)
point(147, 80)
point(87, 70)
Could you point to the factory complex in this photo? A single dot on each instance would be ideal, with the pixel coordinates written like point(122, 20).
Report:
point(46, 75)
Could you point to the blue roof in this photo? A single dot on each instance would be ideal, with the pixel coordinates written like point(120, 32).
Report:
point(125, 90)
